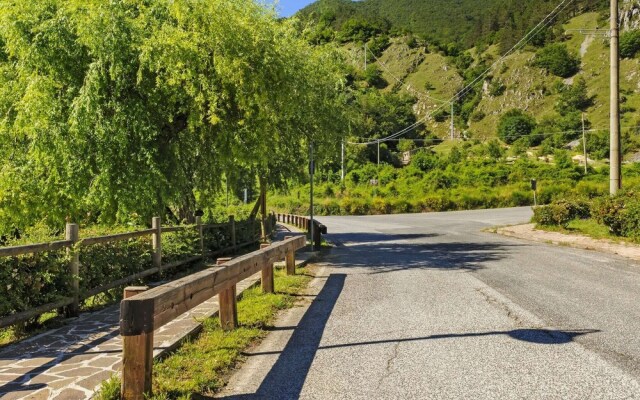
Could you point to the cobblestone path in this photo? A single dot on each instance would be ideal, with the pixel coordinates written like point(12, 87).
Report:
point(70, 363)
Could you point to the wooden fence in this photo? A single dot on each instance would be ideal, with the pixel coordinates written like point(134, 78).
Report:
point(143, 311)
point(73, 242)
point(304, 223)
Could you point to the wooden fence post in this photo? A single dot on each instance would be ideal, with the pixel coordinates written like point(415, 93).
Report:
point(200, 233)
point(228, 306)
point(232, 229)
point(156, 224)
point(72, 233)
point(137, 358)
point(290, 260)
point(268, 284)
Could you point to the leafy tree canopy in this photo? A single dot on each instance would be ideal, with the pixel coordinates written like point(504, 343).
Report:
point(557, 60)
point(515, 124)
point(117, 110)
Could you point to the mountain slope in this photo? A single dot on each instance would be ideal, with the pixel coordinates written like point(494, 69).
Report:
point(462, 21)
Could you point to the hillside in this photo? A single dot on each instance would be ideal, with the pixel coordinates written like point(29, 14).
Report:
point(460, 21)
point(427, 73)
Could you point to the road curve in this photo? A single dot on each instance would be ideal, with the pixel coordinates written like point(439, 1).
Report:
point(431, 306)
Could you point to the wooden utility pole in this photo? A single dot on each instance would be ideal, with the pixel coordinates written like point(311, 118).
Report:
point(453, 129)
point(584, 145)
point(614, 157)
point(312, 168)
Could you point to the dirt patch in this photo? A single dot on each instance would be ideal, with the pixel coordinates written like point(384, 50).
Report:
point(528, 232)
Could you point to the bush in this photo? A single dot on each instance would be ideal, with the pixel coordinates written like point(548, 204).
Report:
point(556, 59)
point(630, 43)
point(515, 124)
point(561, 212)
point(621, 214)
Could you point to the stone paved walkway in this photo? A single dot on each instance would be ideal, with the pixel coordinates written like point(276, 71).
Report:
point(71, 362)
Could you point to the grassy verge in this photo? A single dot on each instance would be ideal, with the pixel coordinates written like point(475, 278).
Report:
point(586, 227)
point(199, 367)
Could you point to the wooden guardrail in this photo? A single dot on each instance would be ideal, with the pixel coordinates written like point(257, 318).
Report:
point(73, 241)
point(143, 311)
point(304, 223)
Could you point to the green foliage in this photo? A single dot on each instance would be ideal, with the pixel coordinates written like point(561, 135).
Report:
point(41, 278)
point(561, 212)
point(472, 22)
point(574, 98)
point(556, 59)
point(621, 214)
point(515, 124)
point(630, 43)
point(359, 29)
point(117, 111)
point(497, 88)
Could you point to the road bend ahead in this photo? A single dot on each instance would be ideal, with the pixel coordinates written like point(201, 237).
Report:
point(431, 307)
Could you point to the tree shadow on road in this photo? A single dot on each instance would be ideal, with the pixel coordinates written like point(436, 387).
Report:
point(384, 253)
point(286, 378)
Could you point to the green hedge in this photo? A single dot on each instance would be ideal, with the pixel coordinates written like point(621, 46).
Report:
point(621, 214)
point(36, 279)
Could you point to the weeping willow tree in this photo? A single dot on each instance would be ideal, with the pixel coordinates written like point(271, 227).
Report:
point(117, 110)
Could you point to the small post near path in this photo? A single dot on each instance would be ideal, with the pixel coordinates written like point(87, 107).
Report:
point(267, 281)
point(228, 304)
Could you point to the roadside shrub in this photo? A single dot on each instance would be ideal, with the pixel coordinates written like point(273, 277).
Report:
point(621, 214)
point(354, 206)
point(328, 207)
point(552, 215)
point(561, 212)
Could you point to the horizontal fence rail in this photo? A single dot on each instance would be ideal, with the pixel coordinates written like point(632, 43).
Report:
point(304, 223)
point(72, 301)
point(148, 310)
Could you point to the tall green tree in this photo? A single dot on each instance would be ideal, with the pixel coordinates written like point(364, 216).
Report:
point(120, 110)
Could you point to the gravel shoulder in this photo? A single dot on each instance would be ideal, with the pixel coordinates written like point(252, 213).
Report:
point(529, 232)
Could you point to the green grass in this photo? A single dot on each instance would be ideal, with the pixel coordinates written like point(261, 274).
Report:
point(586, 227)
point(201, 366)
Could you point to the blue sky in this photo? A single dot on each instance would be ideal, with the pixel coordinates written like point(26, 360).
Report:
point(286, 8)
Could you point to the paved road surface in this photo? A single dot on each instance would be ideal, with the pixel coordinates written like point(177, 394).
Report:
point(431, 307)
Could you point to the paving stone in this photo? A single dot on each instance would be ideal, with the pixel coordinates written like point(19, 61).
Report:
point(83, 353)
point(104, 362)
point(39, 394)
point(34, 362)
point(61, 383)
point(94, 380)
point(80, 372)
point(71, 394)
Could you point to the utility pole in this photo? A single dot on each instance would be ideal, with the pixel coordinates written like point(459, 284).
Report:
point(312, 168)
point(342, 162)
point(584, 145)
point(614, 157)
point(453, 131)
point(365, 56)
point(378, 154)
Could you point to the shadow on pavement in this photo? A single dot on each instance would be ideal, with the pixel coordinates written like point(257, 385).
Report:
point(287, 376)
point(383, 253)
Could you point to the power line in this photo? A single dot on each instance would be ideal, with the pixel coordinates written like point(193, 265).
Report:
point(520, 44)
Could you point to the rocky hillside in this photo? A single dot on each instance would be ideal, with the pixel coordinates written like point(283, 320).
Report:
point(431, 77)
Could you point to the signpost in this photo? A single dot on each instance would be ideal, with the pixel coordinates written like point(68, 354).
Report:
point(534, 187)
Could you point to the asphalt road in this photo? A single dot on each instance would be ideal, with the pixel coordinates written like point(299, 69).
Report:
point(430, 306)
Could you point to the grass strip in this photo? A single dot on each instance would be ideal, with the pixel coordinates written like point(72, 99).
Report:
point(587, 227)
point(200, 367)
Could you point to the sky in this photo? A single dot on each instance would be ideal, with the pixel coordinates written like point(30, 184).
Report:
point(287, 8)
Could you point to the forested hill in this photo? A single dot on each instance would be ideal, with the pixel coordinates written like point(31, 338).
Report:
point(462, 21)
